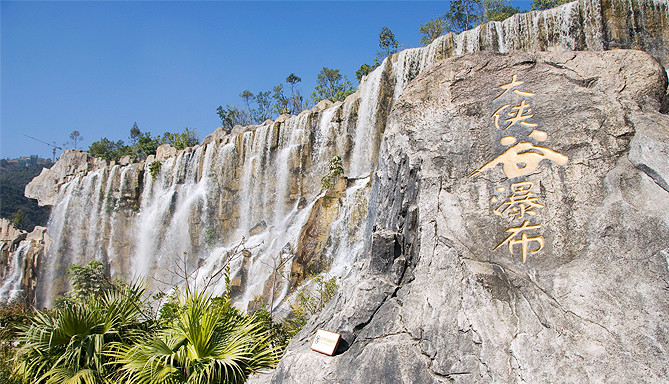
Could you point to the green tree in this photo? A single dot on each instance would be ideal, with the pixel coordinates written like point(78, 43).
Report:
point(14, 316)
point(310, 301)
point(154, 168)
point(465, 14)
point(145, 146)
point(264, 110)
point(248, 97)
point(296, 101)
point(331, 85)
point(387, 42)
point(109, 150)
point(366, 69)
point(335, 168)
point(280, 105)
point(546, 4)
point(75, 139)
point(432, 29)
point(231, 116)
point(183, 140)
point(135, 133)
point(86, 282)
point(499, 10)
point(18, 219)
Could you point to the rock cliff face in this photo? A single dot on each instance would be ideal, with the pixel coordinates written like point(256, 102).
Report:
point(20, 255)
point(495, 214)
point(260, 185)
point(518, 230)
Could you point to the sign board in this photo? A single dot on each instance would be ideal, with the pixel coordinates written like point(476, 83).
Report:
point(325, 342)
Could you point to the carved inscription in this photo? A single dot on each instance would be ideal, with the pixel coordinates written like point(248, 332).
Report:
point(521, 204)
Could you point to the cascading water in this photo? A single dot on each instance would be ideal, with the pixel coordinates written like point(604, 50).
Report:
point(261, 187)
point(11, 287)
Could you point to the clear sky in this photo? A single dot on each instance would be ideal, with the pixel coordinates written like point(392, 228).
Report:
point(99, 66)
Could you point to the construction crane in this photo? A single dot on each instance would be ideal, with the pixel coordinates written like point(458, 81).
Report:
point(55, 147)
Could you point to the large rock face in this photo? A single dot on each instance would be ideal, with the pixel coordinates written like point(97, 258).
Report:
point(261, 184)
point(518, 230)
point(20, 255)
point(45, 187)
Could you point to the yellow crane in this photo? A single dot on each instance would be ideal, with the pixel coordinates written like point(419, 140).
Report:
point(54, 147)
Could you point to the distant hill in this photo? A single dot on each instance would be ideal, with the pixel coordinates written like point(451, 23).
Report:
point(14, 175)
point(25, 162)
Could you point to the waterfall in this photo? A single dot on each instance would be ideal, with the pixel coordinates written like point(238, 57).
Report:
point(11, 283)
point(260, 187)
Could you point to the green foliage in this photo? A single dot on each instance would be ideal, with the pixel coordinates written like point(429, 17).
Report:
point(105, 332)
point(310, 302)
point(264, 107)
point(432, 29)
point(467, 14)
point(13, 316)
point(279, 333)
point(154, 168)
point(72, 344)
point(248, 97)
point(183, 140)
point(211, 236)
point(13, 181)
point(335, 168)
point(293, 79)
point(109, 150)
point(366, 69)
point(296, 102)
point(89, 281)
point(231, 116)
point(331, 85)
point(18, 219)
point(387, 42)
point(546, 4)
point(208, 341)
point(135, 133)
point(280, 105)
point(143, 144)
point(498, 10)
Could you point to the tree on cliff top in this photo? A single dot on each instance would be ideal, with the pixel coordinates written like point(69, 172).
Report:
point(432, 29)
point(546, 4)
point(387, 42)
point(75, 139)
point(296, 101)
point(143, 144)
point(331, 85)
point(467, 14)
point(183, 140)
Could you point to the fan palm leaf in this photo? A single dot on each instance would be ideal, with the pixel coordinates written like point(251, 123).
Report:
point(69, 345)
point(204, 344)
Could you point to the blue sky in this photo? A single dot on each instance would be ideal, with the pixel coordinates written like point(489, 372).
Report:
point(99, 66)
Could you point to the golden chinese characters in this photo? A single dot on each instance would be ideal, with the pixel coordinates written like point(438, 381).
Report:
point(521, 159)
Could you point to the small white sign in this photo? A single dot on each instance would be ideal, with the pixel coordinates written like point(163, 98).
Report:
point(325, 342)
